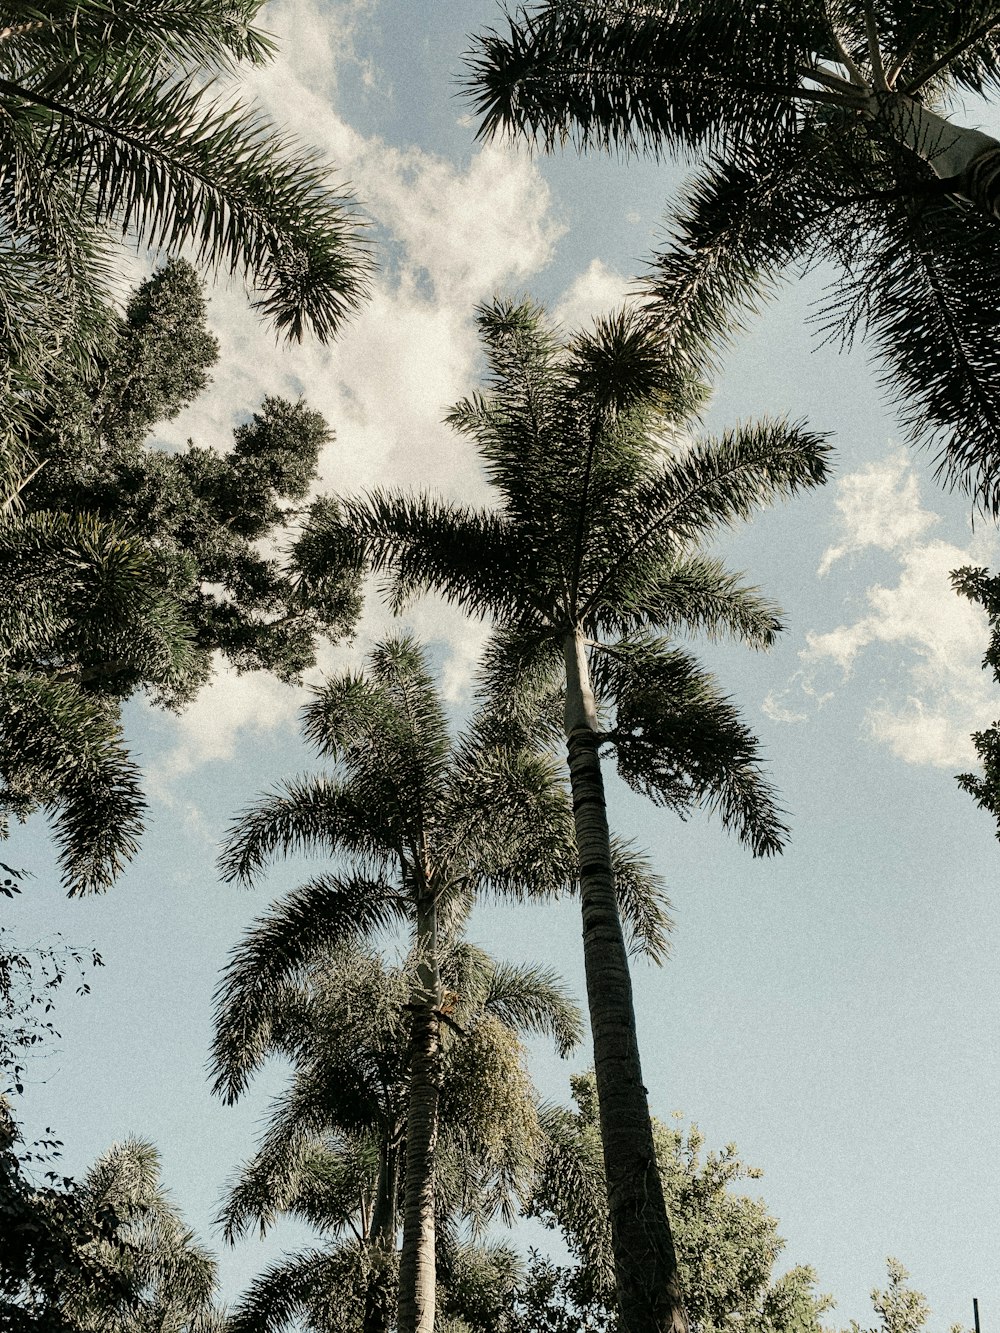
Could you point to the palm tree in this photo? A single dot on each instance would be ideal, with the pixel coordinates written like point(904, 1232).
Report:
point(421, 826)
point(826, 137)
point(587, 558)
point(108, 121)
point(331, 1152)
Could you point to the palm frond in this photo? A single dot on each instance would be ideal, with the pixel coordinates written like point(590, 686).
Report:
point(680, 741)
point(638, 78)
point(298, 929)
point(419, 542)
point(304, 815)
point(149, 152)
point(63, 749)
point(642, 902)
point(690, 594)
point(936, 279)
point(533, 1000)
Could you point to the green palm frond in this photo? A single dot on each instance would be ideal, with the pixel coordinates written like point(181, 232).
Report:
point(325, 1288)
point(932, 316)
point(467, 555)
point(183, 170)
point(304, 815)
point(63, 749)
point(680, 741)
point(532, 1000)
point(694, 594)
point(207, 32)
point(298, 930)
point(301, 1175)
point(630, 77)
point(642, 902)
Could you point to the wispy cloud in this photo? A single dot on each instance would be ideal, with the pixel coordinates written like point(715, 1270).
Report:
point(938, 694)
point(446, 236)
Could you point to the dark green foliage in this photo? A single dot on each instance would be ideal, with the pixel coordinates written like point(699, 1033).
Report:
point(107, 1252)
point(123, 569)
point(983, 588)
point(727, 1243)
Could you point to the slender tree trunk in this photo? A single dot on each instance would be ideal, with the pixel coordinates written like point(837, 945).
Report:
point(649, 1296)
point(417, 1276)
point(969, 158)
point(379, 1312)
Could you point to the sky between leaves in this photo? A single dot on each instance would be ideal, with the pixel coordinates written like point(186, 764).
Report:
point(834, 1013)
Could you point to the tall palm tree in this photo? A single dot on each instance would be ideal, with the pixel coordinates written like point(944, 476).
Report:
point(331, 1151)
point(420, 825)
point(587, 559)
point(108, 121)
point(826, 133)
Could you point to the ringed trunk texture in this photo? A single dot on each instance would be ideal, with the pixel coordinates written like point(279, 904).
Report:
point(968, 158)
point(649, 1295)
point(417, 1276)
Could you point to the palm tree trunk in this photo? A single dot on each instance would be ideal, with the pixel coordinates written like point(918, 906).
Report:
point(969, 158)
point(649, 1297)
point(417, 1276)
point(378, 1313)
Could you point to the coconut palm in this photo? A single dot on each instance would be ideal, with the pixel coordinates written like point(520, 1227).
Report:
point(331, 1152)
point(108, 121)
point(827, 132)
point(420, 825)
point(588, 558)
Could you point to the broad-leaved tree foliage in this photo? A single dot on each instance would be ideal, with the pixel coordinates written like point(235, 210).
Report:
point(589, 565)
point(983, 588)
point(124, 569)
point(110, 124)
point(727, 1243)
point(336, 1138)
point(825, 130)
point(419, 825)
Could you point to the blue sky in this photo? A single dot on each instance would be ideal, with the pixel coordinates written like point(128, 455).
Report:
point(835, 1013)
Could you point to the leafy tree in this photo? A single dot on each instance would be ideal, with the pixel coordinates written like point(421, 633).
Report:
point(204, 512)
point(727, 1243)
point(124, 569)
point(336, 1138)
point(109, 123)
point(983, 588)
point(899, 1308)
point(29, 978)
point(587, 560)
point(826, 136)
point(109, 1253)
point(420, 825)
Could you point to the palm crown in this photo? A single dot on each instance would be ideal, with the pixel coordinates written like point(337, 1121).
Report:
point(824, 140)
point(420, 825)
point(335, 1138)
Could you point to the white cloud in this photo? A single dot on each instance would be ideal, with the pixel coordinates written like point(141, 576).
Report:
point(879, 506)
point(446, 237)
point(596, 291)
point(934, 692)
